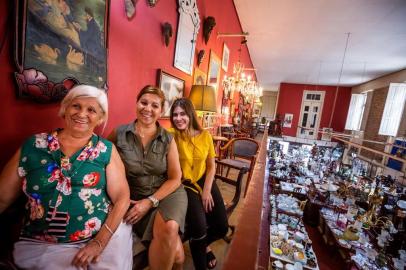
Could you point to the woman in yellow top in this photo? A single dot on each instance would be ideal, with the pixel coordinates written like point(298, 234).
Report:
point(206, 217)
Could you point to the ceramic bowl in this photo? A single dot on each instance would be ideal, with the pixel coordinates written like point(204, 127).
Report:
point(299, 257)
point(282, 227)
point(299, 236)
point(299, 246)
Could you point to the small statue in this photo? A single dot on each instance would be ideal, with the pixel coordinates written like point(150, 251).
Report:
point(275, 127)
point(315, 150)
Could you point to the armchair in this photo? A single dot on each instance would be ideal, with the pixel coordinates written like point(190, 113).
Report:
point(239, 153)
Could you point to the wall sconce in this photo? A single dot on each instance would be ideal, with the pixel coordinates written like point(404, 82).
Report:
point(208, 25)
point(167, 32)
point(200, 57)
point(130, 8)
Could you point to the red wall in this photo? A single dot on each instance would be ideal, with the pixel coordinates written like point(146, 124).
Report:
point(136, 52)
point(290, 101)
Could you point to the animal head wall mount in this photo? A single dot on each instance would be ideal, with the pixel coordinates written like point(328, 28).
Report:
point(208, 25)
point(200, 57)
point(167, 32)
point(152, 3)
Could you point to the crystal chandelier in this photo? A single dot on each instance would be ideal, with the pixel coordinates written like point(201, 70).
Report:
point(241, 83)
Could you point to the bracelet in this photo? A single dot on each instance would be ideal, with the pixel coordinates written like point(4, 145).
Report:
point(108, 228)
point(97, 242)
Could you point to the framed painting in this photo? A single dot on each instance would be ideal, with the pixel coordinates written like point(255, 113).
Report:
point(214, 70)
point(226, 57)
point(199, 77)
point(172, 87)
point(60, 43)
point(287, 122)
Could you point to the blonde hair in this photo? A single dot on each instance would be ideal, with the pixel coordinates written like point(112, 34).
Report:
point(149, 89)
point(83, 90)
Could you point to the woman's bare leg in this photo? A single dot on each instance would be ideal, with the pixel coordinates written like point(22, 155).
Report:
point(164, 245)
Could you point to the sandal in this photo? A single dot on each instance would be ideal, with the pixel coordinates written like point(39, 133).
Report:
point(210, 258)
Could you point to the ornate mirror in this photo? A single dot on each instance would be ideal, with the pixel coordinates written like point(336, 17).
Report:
point(188, 27)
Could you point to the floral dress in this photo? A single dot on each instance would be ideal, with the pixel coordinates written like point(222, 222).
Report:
point(67, 199)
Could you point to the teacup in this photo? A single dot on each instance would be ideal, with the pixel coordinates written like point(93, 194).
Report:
point(278, 265)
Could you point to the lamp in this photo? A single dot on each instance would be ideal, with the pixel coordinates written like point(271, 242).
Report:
point(203, 98)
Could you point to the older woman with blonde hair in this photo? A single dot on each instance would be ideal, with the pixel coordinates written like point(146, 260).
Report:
point(77, 192)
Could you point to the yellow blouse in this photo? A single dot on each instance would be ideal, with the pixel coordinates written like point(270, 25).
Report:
point(193, 153)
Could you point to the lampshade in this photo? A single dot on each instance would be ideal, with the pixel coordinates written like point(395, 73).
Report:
point(203, 98)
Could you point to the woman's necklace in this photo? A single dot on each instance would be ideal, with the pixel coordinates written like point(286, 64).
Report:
point(65, 158)
point(140, 132)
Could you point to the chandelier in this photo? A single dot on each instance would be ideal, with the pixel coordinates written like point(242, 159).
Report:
point(241, 83)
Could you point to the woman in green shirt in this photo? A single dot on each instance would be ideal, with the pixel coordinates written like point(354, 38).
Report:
point(77, 193)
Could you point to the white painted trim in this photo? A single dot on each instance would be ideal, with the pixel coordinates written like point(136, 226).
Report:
point(316, 128)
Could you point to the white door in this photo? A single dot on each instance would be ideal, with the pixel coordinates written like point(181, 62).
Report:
point(310, 115)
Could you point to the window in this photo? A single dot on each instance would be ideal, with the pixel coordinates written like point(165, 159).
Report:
point(313, 96)
point(355, 112)
point(394, 105)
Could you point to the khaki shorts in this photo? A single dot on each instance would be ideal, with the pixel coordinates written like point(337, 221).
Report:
point(172, 207)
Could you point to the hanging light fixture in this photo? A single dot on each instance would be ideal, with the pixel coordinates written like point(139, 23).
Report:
point(241, 83)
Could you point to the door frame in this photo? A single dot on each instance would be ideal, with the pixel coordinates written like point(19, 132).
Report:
point(317, 126)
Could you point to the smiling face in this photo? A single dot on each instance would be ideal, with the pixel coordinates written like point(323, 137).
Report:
point(149, 108)
point(180, 118)
point(83, 114)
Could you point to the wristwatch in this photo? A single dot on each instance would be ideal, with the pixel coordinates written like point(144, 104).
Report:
point(155, 201)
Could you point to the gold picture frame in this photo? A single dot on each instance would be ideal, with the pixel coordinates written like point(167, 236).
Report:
point(213, 75)
point(173, 88)
point(199, 77)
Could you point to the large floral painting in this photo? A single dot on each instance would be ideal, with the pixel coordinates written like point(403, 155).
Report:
point(60, 43)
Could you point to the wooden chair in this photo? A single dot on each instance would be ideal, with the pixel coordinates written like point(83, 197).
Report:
point(239, 153)
point(237, 183)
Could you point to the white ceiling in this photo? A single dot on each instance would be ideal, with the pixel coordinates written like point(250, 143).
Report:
point(303, 41)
